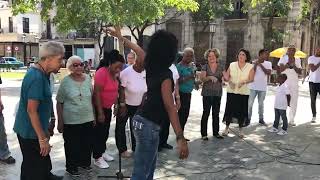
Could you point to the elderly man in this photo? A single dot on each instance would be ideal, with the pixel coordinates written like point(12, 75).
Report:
point(314, 81)
point(131, 60)
point(291, 66)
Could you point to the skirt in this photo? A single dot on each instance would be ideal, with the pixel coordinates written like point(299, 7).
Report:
point(236, 107)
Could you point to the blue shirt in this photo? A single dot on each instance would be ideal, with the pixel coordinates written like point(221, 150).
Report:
point(187, 86)
point(35, 86)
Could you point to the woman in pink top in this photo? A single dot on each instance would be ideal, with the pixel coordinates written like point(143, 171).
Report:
point(105, 95)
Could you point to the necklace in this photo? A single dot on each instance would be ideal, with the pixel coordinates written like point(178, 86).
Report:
point(79, 84)
point(41, 68)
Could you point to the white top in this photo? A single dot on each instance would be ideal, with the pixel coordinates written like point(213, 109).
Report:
point(134, 84)
point(175, 73)
point(314, 76)
point(281, 101)
point(292, 75)
point(260, 81)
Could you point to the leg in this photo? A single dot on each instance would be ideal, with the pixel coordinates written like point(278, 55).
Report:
point(253, 94)
point(293, 104)
point(86, 137)
point(164, 132)
point(283, 115)
point(313, 97)
point(215, 115)
point(276, 118)
point(101, 134)
point(120, 133)
point(72, 143)
point(131, 112)
point(261, 97)
point(206, 101)
point(185, 108)
point(4, 149)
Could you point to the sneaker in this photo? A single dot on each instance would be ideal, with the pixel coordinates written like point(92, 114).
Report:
point(282, 132)
point(167, 146)
point(101, 163)
point(55, 177)
point(261, 122)
point(107, 157)
point(87, 168)
point(73, 172)
point(273, 130)
point(9, 160)
point(313, 120)
point(205, 138)
point(126, 154)
point(291, 123)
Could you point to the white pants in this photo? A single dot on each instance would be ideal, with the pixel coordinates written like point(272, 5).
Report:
point(294, 93)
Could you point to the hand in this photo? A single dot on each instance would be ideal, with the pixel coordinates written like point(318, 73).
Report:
point(178, 104)
point(101, 118)
point(241, 84)
point(45, 148)
point(232, 85)
point(113, 31)
point(60, 127)
point(183, 150)
point(52, 124)
point(213, 79)
point(123, 111)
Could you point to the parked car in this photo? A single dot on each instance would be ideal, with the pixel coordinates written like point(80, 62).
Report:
point(10, 62)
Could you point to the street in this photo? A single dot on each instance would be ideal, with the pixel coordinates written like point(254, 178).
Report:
point(260, 156)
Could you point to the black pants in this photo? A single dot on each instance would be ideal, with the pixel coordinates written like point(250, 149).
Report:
point(283, 114)
point(164, 132)
point(121, 130)
point(184, 110)
point(78, 145)
point(34, 166)
point(314, 90)
point(210, 102)
point(101, 134)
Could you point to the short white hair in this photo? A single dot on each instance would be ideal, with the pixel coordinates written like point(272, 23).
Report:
point(51, 48)
point(188, 49)
point(71, 60)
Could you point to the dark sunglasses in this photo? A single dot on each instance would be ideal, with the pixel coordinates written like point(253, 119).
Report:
point(77, 65)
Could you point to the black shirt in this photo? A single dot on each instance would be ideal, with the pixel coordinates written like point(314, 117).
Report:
point(153, 108)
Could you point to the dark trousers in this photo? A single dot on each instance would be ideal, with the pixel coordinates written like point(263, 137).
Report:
point(121, 129)
point(78, 145)
point(210, 102)
point(283, 114)
point(314, 90)
point(34, 166)
point(101, 134)
point(164, 132)
point(184, 110)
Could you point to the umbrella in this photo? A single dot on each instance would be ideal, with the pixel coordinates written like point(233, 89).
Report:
point(278, 53)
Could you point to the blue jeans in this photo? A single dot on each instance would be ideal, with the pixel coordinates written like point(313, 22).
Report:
point(283, 114)
point(4, 149)
point(261, 96)
point(146, 134)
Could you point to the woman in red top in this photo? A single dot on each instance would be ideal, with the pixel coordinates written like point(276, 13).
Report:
point(105, 95)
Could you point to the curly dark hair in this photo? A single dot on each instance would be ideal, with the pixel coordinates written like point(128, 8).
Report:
point(248, 60)
point(110, 58)
point(161, 52)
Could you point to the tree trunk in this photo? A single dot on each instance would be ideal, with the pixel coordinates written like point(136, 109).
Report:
point(140, 39)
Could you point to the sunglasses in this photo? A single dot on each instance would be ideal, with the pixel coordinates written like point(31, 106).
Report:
point(77, 65)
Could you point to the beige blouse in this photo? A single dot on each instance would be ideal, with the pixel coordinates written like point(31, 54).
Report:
point(237, 76)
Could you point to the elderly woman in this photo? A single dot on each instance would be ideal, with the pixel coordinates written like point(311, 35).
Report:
point(238, 76)
point(211, 76)
point(34, 112)
point(75, 116)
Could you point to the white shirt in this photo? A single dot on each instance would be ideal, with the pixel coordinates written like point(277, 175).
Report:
point(260, 81)
point(281, 101)
point(175, 73)
point(134, 84)
point(314, 76)
point(292, 75)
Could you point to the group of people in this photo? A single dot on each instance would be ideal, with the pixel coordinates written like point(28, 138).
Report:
point(152, 91)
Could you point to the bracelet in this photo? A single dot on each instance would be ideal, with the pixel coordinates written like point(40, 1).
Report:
point(179, 136)
point(177, 97)
point(43, 140)
point(122, 104)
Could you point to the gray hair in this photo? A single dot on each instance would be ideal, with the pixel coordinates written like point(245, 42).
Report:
point(51, 48)
point(71, 60)
point(188, 49)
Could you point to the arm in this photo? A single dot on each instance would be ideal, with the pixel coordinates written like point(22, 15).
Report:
point(123, 107)
point(184, 79)
point(59, 107)
point(226, 75)
point(313, 67)
point(298, 70)
point(288, 99)
point(96, 95)
point(203, 76)
point(266, 71)
point(177, 96)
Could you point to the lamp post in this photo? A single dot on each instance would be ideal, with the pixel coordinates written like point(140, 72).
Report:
point(212, 30)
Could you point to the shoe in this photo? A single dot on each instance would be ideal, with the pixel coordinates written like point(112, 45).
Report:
point(87, 168)
point(9, 160)
point(126, 154)
point(218, 136)
point(107, 157)
point(313, 120)
point(187, 140)
point(241, 135)
point(225, 133)
point(55, 177)
point(160, 149)
point(73, 172)
point(167, 146)
point(261, 122)
point(273, 130)
point(205, 138)
point(282, 132)
point(292, 124)
point(101, 163)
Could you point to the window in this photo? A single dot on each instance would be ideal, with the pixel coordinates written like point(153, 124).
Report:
point(10, 25)
point(25, 23)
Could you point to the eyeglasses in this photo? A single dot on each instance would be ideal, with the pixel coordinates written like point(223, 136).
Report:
point(77, 65)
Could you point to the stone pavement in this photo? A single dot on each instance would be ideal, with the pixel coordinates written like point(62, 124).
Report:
point(260, 156)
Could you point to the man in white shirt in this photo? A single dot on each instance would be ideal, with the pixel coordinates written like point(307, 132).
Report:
point(291, 66)
point(314, 80)
point(258, 87)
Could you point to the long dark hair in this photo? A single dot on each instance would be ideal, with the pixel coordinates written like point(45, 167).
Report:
point(161, 52)
point(110, 58)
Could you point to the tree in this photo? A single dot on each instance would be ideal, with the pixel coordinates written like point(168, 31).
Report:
point(81, 15)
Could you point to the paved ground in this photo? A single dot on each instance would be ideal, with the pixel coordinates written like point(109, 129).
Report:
point(260, 156)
